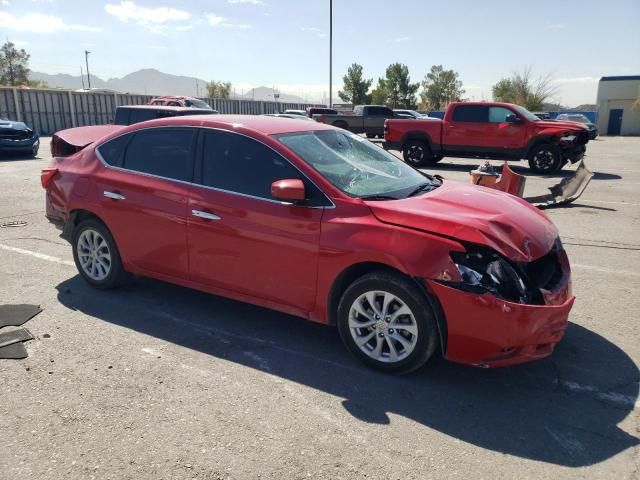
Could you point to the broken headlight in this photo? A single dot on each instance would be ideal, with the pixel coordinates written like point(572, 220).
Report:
point(484, 271)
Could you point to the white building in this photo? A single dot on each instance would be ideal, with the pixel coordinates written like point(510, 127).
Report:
point(619, 105)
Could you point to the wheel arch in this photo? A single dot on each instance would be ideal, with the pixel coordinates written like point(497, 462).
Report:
point(534, 142)
point(76, 217)
point(417, 135)
point(351, 273)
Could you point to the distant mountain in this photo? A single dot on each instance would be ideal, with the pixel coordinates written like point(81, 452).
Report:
point(585, 107)
point(266, 95)
point(147, 81)
point(153, 82)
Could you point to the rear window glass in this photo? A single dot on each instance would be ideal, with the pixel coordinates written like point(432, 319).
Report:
point(112, 151)
point(165, 152)
point(470, 113)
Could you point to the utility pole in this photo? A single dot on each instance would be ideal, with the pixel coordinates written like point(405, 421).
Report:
point(86, 59)
point(330, 51)
point(82, 77)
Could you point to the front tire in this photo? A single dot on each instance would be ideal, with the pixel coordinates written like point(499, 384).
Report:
point(417, 153)
point(96, 255)
point(385, 320)
point(545, 158)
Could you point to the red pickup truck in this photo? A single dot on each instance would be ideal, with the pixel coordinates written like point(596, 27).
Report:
point(488, 130)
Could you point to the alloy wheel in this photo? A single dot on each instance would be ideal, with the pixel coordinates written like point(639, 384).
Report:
point(383, 326)
point(94, 254)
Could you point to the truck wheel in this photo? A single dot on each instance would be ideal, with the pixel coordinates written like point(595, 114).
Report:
point(340, 124)
point(418, 154)
point(545, 158)
point(371, 135)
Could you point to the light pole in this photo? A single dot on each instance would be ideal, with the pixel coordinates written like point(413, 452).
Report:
point(330, 51)
point(86, 59)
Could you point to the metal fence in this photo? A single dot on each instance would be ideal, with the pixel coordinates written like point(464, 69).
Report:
point(47, 111)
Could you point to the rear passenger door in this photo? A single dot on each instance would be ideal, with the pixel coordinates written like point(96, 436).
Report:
point(466, 130)
point(241, 239)
point(144, 194)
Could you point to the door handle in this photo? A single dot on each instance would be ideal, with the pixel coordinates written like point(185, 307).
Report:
point(205, 215)
point(114, 195)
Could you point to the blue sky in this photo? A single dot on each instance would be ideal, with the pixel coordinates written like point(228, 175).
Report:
point(285, 42)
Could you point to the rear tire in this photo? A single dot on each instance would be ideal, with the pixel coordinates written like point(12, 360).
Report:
point(417, 153)
point(545, 158)
point(386, 321)
point(371, 135)
point(340, 124)
point(96, 255)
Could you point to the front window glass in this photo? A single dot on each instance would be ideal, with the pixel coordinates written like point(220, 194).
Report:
point(356, 166)
point(499, 114)
point(526, 113)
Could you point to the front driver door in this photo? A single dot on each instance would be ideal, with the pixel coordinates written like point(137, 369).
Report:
point(503, 137)
point(241, 239)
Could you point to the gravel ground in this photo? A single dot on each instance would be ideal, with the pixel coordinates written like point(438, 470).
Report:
point(159, 382)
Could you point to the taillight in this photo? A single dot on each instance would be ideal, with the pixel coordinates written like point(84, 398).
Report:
point(46, 175)
point(321, 119)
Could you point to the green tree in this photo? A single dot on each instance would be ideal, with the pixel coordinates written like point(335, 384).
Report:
point(522, 88)
point(379, 95)
point(14, 63)
point(355, 87)
point(401, 93)
point(218, 89)
point(439, 88)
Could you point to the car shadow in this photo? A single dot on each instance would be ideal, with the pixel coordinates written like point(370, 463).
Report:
point(563, 410)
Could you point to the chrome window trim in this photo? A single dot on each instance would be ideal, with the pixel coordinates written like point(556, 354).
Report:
point(151, 175)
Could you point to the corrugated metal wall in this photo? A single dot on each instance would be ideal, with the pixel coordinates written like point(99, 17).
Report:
point(48, 111)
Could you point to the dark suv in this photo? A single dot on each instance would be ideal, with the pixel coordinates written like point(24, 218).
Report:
point(130, 114)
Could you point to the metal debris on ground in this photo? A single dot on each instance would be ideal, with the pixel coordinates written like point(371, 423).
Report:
point(568, 190)
point(16, 315)
point(15, 223)
point(11, 343)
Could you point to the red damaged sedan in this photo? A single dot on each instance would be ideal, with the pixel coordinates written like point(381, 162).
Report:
point(314, 221)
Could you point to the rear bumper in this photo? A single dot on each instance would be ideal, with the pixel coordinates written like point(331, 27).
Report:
point(486, 331)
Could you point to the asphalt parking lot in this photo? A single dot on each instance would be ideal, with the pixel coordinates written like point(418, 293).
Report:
point(160, 382)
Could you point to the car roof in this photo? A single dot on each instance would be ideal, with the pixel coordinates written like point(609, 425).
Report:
point(258, 123)
point(163, 107)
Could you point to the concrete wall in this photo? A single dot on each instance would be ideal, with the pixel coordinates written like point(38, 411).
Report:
point(47, 111)
point(621, 94)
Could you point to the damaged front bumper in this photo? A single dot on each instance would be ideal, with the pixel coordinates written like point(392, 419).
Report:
point(573, 147)
point(484, 330)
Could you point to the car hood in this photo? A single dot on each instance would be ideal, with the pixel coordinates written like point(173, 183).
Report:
point(477, 215)
point(560, 124)
point(10, 125)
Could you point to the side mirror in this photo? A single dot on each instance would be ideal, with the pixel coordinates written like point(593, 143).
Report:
point(288, 190)
point(513, 118)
